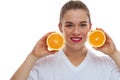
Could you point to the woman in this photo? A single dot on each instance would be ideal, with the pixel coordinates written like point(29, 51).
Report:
point(74, 61)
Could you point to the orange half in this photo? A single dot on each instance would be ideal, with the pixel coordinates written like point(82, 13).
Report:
point(55, 41)
point(96, 38)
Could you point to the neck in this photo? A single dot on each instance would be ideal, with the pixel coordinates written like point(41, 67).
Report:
point(75, 56)
point(75, 53)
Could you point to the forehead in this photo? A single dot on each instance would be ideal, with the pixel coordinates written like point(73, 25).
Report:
point(75, 15)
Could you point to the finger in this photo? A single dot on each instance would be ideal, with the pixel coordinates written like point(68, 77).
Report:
point(46, 35)
point(54, 51)
point(107, 36)
point(43, 39)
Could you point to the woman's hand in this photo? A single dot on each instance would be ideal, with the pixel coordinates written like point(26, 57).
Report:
point(41, 48)
point(109, 46)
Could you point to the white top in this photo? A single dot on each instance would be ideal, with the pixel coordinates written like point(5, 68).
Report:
point(58, 67)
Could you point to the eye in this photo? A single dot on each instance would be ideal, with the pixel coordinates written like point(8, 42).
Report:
point(83, 24)
point(68, 25)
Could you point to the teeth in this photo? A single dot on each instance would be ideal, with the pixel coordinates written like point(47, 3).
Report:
point(77, 38)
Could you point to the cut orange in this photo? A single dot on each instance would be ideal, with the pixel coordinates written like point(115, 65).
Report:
point(96, 38)
point(55, 41)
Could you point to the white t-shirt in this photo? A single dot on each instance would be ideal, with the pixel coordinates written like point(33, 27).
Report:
point(58, 67)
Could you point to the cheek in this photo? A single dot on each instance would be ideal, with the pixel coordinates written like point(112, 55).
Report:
point(85, 32)
point(66, 31)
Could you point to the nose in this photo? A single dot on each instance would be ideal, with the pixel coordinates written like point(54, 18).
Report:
point(76, 30)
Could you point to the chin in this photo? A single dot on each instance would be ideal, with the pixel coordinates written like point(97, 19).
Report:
point(77, 47)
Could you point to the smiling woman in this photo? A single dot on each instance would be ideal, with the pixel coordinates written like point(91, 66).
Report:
point(74, 58)
point(23, 22)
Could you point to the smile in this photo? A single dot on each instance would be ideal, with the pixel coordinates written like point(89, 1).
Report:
point(76, 39)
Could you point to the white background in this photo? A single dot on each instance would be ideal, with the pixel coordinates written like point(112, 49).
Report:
point(24, 22)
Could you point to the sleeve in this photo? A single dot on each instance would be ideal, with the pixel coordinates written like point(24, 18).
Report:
point(113, 68)
point(115, 73)
point(34, 74)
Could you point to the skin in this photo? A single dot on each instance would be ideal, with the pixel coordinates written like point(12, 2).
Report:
point(110, 49)
point(75, 27)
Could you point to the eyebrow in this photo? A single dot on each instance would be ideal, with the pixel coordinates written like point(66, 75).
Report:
point(84, 22)
point(68, 22)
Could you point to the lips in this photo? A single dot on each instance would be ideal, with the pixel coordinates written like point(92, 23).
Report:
point(76, 39)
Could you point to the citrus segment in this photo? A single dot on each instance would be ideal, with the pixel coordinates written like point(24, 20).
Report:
point(55, 41)
point(96, 38)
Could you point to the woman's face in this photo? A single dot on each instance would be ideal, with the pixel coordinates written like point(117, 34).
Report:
point(75, 27)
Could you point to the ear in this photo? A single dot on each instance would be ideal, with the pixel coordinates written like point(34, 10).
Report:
point(60, 27)
point(90, 26)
